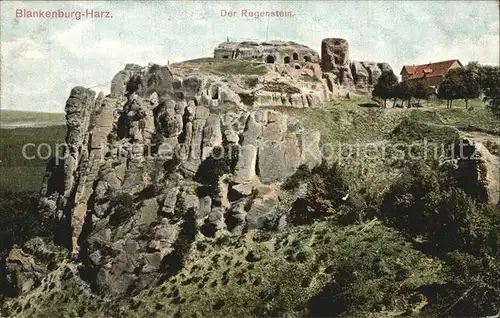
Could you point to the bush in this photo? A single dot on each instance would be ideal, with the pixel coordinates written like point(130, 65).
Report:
point(471, 290)
point(374, 270)
point(20, 220)
point(252, 81)
point(123, 208)
point(326, 188)
point(428, 203)
point(313, 78)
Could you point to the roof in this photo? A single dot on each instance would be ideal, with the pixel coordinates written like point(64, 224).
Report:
point(429, 69)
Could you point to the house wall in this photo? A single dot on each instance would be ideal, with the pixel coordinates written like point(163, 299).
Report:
point(455, 65)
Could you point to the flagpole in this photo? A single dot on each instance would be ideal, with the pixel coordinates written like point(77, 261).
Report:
point(267, 30)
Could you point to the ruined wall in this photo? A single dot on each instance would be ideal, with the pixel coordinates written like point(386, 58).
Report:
point(274, 52)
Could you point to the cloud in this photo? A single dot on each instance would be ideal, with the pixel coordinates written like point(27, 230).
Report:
point(20, 48)
point(73, 39)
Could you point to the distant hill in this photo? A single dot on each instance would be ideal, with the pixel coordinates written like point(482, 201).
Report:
point(16, 118)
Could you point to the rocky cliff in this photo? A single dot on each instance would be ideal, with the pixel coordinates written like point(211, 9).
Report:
point(175, 144)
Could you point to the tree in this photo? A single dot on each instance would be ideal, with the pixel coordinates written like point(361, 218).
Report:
point(445, 92)
point(404, 91)
point(470, 85)
point(385, 86)
point(427, 202)
point(452, 86)
point(487, 79)
point(421, 90)
point(490, 83)
point(325, 195)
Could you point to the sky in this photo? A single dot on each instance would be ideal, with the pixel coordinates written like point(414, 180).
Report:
point(43, 58)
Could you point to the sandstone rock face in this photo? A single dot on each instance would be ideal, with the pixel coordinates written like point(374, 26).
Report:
point(478, 171)
point(163, 154)
point(345, 72)
point(359, 73)
point(373, 70)
point(334, 53)
point(273, 52)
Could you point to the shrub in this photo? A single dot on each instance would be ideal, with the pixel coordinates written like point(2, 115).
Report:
point(123, 208)
point(411, 130)
point(326, 188)
point(153, 68)
point(428, 203)
point(313, 78)
point(471, 290)
point(252, 81)
point(20, 220)
point(371, 269)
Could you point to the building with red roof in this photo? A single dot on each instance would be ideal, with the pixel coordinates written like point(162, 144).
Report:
point(432, 73)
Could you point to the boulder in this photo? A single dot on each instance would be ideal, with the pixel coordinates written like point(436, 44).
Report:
point(119, 84)
point(374, 71)
point(360, 74)
point(271, 159)
point(310, 151)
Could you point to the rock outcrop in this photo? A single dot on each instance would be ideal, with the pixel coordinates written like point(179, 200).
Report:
point(156, 153)
point(334, 53)
point(478, 171)
point(26, 267)
point(273, 52)
point(182, 151)
point(339, 70)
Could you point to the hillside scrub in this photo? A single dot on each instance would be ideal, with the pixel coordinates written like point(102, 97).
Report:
point(20, 220)
point(361, 236)
point(241, 68)
point(325, 195)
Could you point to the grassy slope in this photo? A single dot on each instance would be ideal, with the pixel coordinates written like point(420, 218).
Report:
point(222, 67)
point(16, 173)
point(263, 275)
point(346, 127)
point(13, 116)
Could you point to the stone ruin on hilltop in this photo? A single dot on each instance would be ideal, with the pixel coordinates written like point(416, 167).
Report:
point(270, 52)
point(334, 62)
